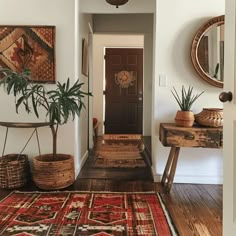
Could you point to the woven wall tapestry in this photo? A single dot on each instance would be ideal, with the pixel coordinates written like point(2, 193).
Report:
point(29, 47)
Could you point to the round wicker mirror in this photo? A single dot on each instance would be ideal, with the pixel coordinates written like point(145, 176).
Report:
point(207, 51)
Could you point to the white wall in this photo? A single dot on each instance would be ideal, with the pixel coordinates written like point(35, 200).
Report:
point(62, 14)
point(132, 24)
point(174, 33)
point(100, 41)
point(133, 6)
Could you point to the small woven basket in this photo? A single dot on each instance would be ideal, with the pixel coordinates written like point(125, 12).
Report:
point(14, 171)
point(211, 117)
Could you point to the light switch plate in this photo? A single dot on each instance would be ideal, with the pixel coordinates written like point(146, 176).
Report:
point(162, 80)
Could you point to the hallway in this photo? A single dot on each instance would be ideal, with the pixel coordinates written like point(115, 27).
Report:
point(90, 171)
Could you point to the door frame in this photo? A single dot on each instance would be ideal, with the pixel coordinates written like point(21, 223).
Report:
point(90, 87)
point(229, 128)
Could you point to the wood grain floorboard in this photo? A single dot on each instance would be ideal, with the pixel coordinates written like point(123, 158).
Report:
point(193, 210)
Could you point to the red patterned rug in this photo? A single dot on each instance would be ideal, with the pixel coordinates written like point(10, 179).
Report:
point(84, 213)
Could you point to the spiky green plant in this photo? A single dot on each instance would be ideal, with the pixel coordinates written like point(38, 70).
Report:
point(60, 104)
point(186, 98)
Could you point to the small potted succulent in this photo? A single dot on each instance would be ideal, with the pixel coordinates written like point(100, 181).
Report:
point(53, 170)
point(185, 117)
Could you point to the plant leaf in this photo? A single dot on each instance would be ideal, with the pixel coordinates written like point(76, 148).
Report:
point(187, 98)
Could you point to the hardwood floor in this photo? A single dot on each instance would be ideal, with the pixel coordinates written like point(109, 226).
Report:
point(196, 210)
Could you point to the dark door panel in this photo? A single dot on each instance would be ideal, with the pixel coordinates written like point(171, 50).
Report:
point(124, 101)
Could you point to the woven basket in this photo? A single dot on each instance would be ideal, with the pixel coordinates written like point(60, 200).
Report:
point(50, 173)
point(211, 117)
point(14, 171)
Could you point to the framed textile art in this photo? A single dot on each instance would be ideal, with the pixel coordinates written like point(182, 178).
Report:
point(29, 47)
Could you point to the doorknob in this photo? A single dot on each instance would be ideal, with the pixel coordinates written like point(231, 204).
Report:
point(226, 96)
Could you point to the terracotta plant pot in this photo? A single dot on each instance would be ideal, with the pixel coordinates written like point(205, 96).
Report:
point(53, 173)
point(184, 118)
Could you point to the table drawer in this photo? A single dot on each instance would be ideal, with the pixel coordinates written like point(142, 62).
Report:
point(191, 136)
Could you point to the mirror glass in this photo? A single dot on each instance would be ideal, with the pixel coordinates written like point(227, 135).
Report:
point(207, 51)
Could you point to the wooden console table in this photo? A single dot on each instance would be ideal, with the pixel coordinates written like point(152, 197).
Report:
point(175, 137)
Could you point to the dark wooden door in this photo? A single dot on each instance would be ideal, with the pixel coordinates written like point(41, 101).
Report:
point(124, 91)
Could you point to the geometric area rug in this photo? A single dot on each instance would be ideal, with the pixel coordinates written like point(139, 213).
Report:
point(84, 213)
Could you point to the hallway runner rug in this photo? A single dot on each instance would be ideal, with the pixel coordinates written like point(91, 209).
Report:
point(84, 213)
point(122, 155)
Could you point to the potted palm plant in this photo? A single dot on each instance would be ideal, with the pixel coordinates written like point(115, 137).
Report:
point(50, 171)
point(185, 117)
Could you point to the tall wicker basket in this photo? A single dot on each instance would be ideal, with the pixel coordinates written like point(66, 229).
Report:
point(51, 173)
point(14, 171)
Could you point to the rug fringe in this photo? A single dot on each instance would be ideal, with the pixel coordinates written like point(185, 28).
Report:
point(168, 217)
point(122, 136)
point(81, 191)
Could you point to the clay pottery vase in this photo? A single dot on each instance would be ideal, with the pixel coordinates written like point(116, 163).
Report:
point(184, 118)
point(211, 117)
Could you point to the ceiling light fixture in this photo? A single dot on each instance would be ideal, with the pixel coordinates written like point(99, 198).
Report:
point(117, 3)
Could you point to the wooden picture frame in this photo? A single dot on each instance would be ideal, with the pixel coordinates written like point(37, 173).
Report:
point(29, 47)
point(84, 57)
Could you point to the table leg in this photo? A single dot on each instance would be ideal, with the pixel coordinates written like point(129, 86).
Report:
point(168, 165)
point(5, 141)
point(169, 172)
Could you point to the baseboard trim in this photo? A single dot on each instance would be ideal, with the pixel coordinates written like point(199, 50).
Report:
point(81, 164)
point(156, 178)
point(192, 179)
